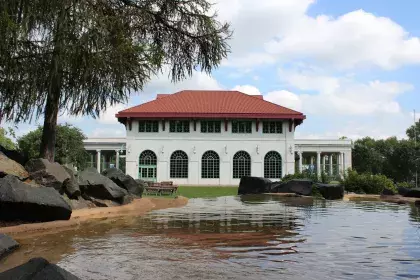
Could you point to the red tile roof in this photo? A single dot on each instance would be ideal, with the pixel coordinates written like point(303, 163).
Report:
point(210, 104)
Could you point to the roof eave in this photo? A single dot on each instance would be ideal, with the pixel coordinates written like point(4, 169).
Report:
point(210, 115)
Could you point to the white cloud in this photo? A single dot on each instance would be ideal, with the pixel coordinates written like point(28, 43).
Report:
point(285, 98)
point(282, 31)
point(345, 96)
point(108, 132)
point(417, 116)
point(248, 89)
point(108, 116)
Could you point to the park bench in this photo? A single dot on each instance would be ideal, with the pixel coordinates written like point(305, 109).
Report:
point(161, 188)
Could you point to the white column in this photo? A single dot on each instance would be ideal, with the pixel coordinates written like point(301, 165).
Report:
point(117, 159)
point(98, 160)
point(343, 162)
point(323, 162)
point(339, 163)
point(331, 164)
point(318, 163)
point(300, 162)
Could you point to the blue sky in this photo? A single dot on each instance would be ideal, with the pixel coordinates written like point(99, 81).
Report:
point(351, 66)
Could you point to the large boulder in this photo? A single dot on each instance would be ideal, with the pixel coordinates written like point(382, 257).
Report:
point(330, 191)
point(11, 167)
point(95, 185)
point(38, 269)
point(20, 201)
point(297, 186)
point(253, 185)
point(71, 185)
point(403, 191)
point(48, 174)
point(7, 245)
point(14, 155)
point(124, 181)
point(388, 192)
point(413, 193)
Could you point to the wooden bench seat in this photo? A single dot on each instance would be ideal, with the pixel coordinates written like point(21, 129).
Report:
point(161, 188)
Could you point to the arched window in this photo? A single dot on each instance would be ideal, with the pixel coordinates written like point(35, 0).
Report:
point(147, 158)
point(179, 165)
point(210, 165)
point(148, 166)
point(272, 165)
point(241, 165)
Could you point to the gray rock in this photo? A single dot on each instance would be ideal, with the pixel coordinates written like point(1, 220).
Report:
point(48, 174)
point(402, 191)
point(388, 192)
point(254, 185)
point(297, 186)
point(95, 185)
point(124, 181)
point(20, 201)
point(37, 269)
point(413, 193)
point(7, 245)
point(11, 167)
point(71, 188)
point(330, 191)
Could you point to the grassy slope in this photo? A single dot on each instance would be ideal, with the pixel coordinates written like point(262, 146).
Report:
point(194, 192)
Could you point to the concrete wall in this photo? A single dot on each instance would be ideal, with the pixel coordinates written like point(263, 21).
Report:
point(195, 144)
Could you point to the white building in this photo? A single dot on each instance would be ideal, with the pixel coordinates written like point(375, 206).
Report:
point(215, 138)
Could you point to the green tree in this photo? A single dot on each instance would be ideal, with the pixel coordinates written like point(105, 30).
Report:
point(5, 140)
point(411, 129)
point(366, 157)
point(69, 146)
point(82, 56)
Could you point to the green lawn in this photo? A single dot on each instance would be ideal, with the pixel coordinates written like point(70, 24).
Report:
point(195, 192)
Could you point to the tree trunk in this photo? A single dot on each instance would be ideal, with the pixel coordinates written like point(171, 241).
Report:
point(52, 105)
point(50, 125)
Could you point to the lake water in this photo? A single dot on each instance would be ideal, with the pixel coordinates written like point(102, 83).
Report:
point(248, 237)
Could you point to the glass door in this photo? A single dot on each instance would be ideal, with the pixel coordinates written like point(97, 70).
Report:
point(147, 173)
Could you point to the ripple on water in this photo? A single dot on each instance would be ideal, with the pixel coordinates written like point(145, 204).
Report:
point(251, 237)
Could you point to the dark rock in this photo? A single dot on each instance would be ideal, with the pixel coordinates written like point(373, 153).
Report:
point(388, 192)
point(49, 174)
point(104, 202)
point(298, 186)
point(14, 155)
point(79, 203)
point(124, 181)
point(413, 193)
point(95, 185)
point(330, 191)
point(7, 245)
point(20, 201)
point(37, 269)
point(127, 199)
point(402, 191)
point(253, 185)
point(417, 203)
point(71, 188)
point(11, 167)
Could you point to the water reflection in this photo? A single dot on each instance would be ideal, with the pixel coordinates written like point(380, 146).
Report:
point(247, 237)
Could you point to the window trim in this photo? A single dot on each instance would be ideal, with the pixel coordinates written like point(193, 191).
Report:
point(246, 164)
point(273, 167)
point(243, 122)
point(176, 165)
point(212, 165)
point(278, 127)
point(214, 127)
point(184, 124)
point(154, 126)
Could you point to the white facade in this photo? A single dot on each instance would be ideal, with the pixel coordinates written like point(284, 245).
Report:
point(226, 144)
point(195, 143)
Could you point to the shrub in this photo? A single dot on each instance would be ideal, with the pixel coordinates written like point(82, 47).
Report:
point(303, 175)
point(367, 183)
point(406, 185)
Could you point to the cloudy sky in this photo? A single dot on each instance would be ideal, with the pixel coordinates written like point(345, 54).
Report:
point(351, 66)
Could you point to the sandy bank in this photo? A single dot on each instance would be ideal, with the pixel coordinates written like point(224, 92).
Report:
point(137, 208)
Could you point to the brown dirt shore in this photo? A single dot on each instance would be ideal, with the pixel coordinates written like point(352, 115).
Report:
point(137, 208)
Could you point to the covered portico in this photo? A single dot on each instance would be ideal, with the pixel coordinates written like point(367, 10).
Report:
point(106, 152)
point(332, 157)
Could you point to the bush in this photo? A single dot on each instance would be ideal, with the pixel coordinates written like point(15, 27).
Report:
point(367, 183)
point(406, 185)
point(303, 175)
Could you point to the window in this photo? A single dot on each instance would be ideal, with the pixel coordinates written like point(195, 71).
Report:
point(273, 127)
point(148, 126)
point(148, 158)
point(179, 165)
point(241, 165)
point(272, 165)
point(179, 126)
point(242, 127)
point(210, 126)
point(210, 165)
